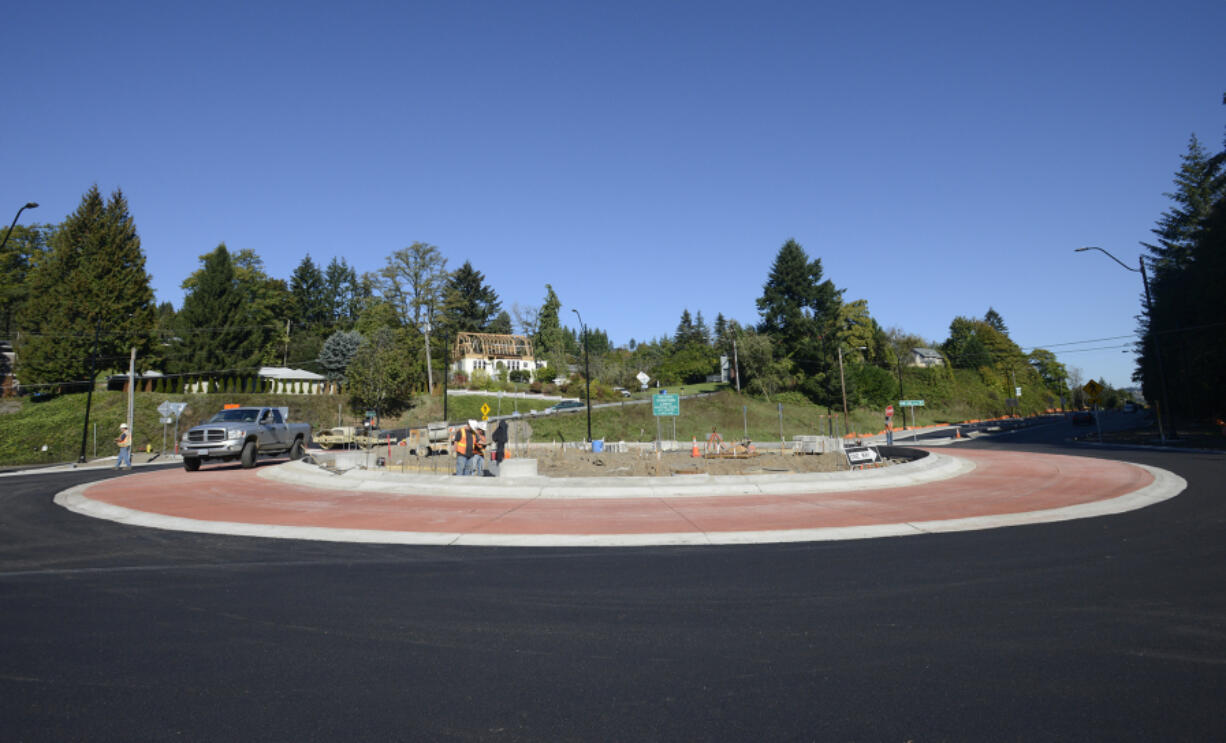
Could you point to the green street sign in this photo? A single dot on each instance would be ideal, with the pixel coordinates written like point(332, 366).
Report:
point(662, 405)
point(911, 403)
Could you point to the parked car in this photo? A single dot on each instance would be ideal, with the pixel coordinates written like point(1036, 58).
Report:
point(565, 405)
point(1083, 418)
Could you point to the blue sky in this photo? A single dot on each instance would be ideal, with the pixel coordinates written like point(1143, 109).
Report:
point(641, 157)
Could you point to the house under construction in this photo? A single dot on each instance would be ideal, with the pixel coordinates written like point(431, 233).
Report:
point(485, 351)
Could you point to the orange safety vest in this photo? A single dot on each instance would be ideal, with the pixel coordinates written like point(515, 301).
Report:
point(464, 441)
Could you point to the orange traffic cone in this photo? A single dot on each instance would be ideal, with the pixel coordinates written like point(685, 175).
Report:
point(694, 452)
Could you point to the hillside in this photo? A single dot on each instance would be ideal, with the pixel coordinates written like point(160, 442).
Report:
point(50, 431)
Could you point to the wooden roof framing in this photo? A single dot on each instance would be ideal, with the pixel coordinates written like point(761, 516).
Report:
point(492, 346)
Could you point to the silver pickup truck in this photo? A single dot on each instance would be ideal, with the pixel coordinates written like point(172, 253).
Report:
point(244, 434)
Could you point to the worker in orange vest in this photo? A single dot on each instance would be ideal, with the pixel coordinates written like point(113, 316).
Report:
point(124, 441)
point(469, 443)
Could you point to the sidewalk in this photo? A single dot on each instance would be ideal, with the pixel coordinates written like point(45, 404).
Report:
point(139, 459)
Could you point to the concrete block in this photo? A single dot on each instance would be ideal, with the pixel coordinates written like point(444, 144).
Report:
point(513, 468)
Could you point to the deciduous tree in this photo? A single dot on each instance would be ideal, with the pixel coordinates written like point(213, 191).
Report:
point(384, 372)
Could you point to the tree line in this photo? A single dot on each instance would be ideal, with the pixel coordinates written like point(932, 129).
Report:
point(79, 298)
point(75, 297)
point(1182, 348)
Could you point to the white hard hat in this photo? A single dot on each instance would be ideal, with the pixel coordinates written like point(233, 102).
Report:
point(123, 425)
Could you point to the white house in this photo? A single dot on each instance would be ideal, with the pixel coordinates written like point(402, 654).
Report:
point(485, 351)
point(292, 381)
point(926, 357)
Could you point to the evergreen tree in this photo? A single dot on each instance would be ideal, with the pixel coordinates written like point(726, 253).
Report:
point(720, 329)
point(684, 335)
point(1198, 187)
point(338, 350)
point(1184, 282)
point(266, 301)
point(25, 247)
point(91, 282)
point(342, 295)
point(800, 314)
point(997, 322)
point(702, 334)
point(310, 300)
point(500, 324)
point(469, 304)
point(549, 344)
point(213, 329)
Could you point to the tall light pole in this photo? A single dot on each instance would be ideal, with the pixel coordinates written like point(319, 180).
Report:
point(843, 385)
point(587, 375)
point(89, 391)
point(1153, 334)
point(29, 205)
point(429, 370)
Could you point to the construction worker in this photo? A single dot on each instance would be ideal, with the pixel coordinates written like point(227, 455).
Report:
point(476, 463)
point(125, 448)
point(464, 441)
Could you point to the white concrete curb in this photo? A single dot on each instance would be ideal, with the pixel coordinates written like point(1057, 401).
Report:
point(932, 468)
point(1166, 485)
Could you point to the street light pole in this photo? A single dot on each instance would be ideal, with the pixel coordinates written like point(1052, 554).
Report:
point(843, 386)
point(1149, 308)
point(29, 205)
point(89, 392)
point(587, 375)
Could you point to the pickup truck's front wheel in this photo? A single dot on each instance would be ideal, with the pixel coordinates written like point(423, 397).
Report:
point(248, 455)
point(191, 464)
point(295, 451)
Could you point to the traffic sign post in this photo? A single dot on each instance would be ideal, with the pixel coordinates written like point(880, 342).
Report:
point(170, 412)
point(913, 404)
point(665, 404)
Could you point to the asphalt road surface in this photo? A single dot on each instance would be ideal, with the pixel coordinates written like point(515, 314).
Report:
point(1101, 629)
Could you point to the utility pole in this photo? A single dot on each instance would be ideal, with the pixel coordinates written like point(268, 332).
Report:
point(736, 367)
point(285, 356)
point(131, 393)
point(587, 376)
point(89, 392)
point(429, 366)
point(1017, 399)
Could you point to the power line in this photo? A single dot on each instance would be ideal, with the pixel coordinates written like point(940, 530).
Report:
point(1099, 348)
point(1078, 343)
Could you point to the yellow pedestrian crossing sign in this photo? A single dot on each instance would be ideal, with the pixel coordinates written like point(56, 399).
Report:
point(1093, 390)
point(485, 411)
